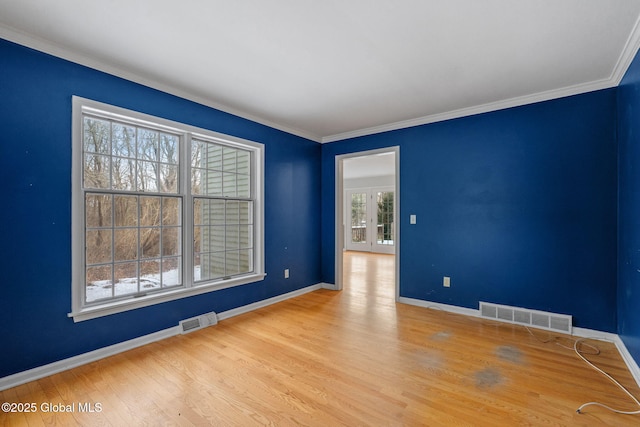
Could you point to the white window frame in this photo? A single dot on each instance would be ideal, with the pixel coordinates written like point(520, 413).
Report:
point(80, 310)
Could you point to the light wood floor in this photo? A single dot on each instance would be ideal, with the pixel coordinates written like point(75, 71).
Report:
point(353, 358)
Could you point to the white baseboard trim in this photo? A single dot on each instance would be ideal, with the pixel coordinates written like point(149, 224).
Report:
point(82, 359)
point(592, 333)
point(628, 359)
point(622, 348)
point(330, 286)
point(92, 356)
point(439, 306)
point(264, 303)
point(579, 332)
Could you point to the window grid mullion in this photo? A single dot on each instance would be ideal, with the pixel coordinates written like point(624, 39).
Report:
point(110, 154)
point(161, 232)
point(136, 166)
point(226, 229)
point(133, 263)
point(187, 212)
point(138, 241)
point(113, 247)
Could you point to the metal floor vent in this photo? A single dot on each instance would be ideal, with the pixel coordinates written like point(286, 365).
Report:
point(523, 316)
point(195, 323)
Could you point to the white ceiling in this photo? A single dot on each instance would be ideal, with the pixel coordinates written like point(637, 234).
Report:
point(333, 69)
point(382, 164)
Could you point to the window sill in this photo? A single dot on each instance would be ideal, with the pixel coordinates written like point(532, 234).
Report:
point(95, 311)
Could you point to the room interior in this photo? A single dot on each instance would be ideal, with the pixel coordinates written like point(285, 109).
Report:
point(518, 182)
point(368, 183)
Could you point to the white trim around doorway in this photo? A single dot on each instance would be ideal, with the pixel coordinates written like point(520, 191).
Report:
point(339, 212)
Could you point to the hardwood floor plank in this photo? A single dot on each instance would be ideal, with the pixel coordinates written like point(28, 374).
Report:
point(352, 358)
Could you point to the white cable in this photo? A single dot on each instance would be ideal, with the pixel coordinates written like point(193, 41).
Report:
point(555, 341)
point(617, 411)
point(597, 351)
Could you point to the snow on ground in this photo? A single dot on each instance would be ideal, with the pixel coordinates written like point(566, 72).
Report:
point(101, 289)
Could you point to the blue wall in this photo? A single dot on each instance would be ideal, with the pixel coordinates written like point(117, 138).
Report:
point(629, 214)
point(35, 163)
point(518, 206)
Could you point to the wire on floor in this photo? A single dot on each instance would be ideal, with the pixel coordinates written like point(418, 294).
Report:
point(617, 411)
point(580, 354)
point(556, 341)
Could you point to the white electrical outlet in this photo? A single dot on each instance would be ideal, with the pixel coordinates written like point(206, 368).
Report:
point(446, 282)
point(286, 273)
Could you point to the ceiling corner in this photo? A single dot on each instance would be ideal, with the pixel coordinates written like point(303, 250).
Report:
point(628, 53)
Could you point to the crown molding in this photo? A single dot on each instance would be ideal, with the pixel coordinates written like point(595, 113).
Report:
point(470, 111)
point(622, 65)
point(45, 46)
point(626, 57)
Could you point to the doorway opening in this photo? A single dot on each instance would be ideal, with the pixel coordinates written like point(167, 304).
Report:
point(367, 221)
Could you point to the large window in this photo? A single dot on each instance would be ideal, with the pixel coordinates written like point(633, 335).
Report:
point(142, 188)
point(223, 210)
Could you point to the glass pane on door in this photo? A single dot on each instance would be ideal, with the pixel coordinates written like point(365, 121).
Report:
point(385, 227)
point(358, 218)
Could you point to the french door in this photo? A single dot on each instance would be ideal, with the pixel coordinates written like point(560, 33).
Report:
point(370, 220)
